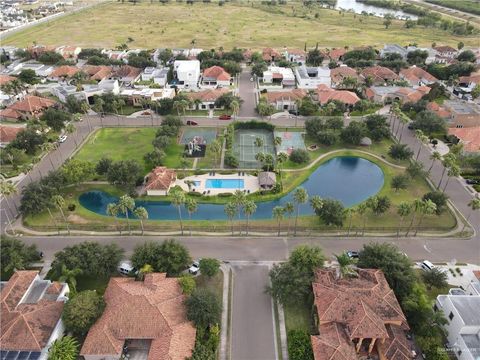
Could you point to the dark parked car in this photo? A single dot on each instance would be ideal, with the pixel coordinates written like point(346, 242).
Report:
point(294, 112)
point(410, 127)
point(224, 117)
point(192, 123)
point(472, 181)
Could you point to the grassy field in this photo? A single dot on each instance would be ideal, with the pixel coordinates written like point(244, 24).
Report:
point(152, 25)
point(127, 144)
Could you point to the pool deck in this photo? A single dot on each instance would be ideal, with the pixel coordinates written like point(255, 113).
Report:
point(250, 183)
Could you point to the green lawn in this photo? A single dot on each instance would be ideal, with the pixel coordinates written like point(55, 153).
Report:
point(297, 317)
point(213, 284)
point(97, 283)
point(257, 26)
point(127, 144)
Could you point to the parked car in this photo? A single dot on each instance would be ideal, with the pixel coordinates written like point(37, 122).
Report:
point(410, 127)
point(192, 123)
point(126, 268)
point(224, 117)
point(195, 268)
point(353, 254)
point(62, 138)
point(294, 112)
point(427, 265)
point(472, 181)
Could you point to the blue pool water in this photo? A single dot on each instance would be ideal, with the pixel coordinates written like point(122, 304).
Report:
point(224, 184)
point(350, 180)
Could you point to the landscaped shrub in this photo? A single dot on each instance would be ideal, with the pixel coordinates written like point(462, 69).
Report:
point(231, 160)
point(194, 193)
point(300, 156)
point(253, 124)
point(71, 207)
point(199, 172)
point(224, 194)
point(299, 346)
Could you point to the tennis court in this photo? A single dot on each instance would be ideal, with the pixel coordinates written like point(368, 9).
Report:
point(245, 149)
point(290, 140)
point(203, 136)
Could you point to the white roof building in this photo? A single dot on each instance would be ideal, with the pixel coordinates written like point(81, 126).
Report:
point(279, 74)
point(186, 73)
point(311, 77)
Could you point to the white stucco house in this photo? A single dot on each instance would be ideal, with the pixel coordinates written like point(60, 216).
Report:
point(311, 77)
point(186, 74)
point(157, 75)
point(463, 328)
point(276, 75)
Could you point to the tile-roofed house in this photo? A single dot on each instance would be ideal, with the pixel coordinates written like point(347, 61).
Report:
point(8, 134)
point(387, 94)
point(63, 72)
point(270, 55)
point(469, 82)
point(379, 74)
point(336, 54)
point(357, 316)
point(159, 181)
point(98, 72)
point(342, 72)
point(127, 74)
point(325, 94)
point(29, 107)
point(216, 76)
point(439, 110)
point(10, 115)
point(68, 52)
point(446, 51)
point(285, 100)
point(151, 310)
point(463, 114)
point(206, 98)
point(416, 76)
point(469, 137)
point(5, 79)
point(31, 313)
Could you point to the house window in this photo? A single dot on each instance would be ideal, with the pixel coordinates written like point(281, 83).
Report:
point(450, 316)
point(204, 107)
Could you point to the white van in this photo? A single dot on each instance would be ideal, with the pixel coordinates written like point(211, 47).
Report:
point(125, 268)
point(427, 265)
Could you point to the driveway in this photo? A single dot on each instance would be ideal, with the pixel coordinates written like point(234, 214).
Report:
point(246, 90)
point(253, 331)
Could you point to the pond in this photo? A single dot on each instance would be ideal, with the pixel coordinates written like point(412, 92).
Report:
point(359, 7)
point(350, 180)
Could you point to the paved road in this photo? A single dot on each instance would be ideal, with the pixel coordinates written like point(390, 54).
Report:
point(253, 332)
point(247, 93)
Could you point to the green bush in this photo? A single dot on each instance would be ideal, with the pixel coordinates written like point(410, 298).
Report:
point(199, 172)
point(299, 345)
point(300, 156)
point(224, 194)
point(253, 124)
point(194, 193)
point(231, 160)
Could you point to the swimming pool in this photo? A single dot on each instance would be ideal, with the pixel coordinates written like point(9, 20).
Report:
point(224, 184)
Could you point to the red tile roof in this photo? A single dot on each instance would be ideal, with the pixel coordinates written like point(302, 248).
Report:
point(473, 78)
point(363, 307)
point(336, 54)
point(26, 326)
point(5, 79)
point(32, 103)
point(160, 178)
point(325, 94)
point(217, 72)
point(415, 74)
point(127, 71)
point(64, 71)
point(208, 95)
point(99, 72)
point(9, 133)
point(342, 72)
point(379, 73)
point(269, 53)
point(445, 49)
point(439, 110)
point(10, 114)
point(152, 309)
point(291, 95)
point(470, 137)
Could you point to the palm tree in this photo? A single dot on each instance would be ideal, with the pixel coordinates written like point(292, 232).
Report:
point(404, 120)
point(84, 107)
point(269, 161)
point(434, 157)
point(349, 213)
point(404, 209)
point(282, 158)
point(142, 214)
point(178, 199)
point(230, 210)
point(7, 189)
point(260, 157)
point(235, 106)
point(416, 208)
point(362, 211)
point(258, 142)
point(428, 208)
point(144, 270)
point(65, 348)
point(192, 206)
point(126, 204)
point(47, 147)
point(69, 276)
point(345, 264)
point(278, 213)
point(59, 202)
point(248, 209)
point(300, 196)
point(448, 161)
point(277, 141)
point(178, 106)
point(239, 199)
point(454, 171)
point(474, 204)
point(216, 149)
point(289, 210)
point(422, 139)
point(112, 210)
point(316, 203)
